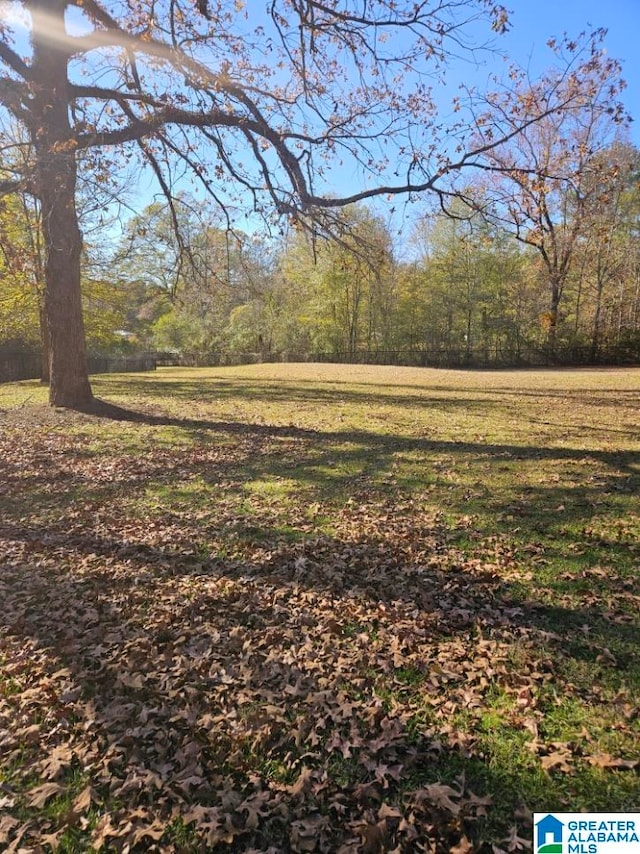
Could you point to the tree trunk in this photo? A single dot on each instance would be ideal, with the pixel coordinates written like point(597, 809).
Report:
point(553, 317)
point(68, 377)
point(56, 175)
point(597, 321)
point(44, 340)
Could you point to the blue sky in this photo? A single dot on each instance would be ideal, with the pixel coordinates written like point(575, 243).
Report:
point(534, 21)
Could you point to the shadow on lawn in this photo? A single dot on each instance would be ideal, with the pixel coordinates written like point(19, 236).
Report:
point(357, 392)
point(192, 672)
point(376, 568)
point(197, 676)
point(213, 683)
point(294, 392)
point(624, 461)
point(329, 466)
point(326, 464)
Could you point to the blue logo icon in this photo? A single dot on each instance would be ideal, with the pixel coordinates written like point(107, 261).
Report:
point(549, 835)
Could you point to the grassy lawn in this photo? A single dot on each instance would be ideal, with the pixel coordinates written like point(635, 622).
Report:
point(318, 608)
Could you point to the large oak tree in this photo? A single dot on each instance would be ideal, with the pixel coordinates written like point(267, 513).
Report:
point(257, 106)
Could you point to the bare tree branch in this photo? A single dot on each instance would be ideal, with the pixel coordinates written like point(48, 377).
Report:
point(11, 58)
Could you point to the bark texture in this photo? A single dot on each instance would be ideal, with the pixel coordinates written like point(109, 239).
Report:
point(56, 175)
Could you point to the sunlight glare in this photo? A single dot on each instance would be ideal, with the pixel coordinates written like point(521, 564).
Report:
point(76, 25)
point(15, 14)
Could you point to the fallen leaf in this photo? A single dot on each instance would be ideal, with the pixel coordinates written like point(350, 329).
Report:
point(387, 811)
point(463, 847)
point(7, 824)
point(606, 760)
point(39, 796)
point(52, 839)
point(56, 762)
point(440, 795)
point(83, 801)
point(303, 783)
point(514, 842)
point(153, 831)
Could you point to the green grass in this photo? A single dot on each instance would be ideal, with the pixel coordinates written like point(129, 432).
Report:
point(385, 579)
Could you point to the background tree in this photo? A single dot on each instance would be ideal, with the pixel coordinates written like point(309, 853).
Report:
point(463, 293)
point(606, 243)
point(348, 285)
point(540, 182)
point(190, 277)
point(21, 280)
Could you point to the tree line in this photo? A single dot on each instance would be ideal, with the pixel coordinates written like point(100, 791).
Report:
point(465, 286)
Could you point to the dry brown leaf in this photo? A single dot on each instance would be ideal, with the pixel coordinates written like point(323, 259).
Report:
point(303, 783)
point(387, 811)
point(462, 847)
point(7, 824)
point(373, 838)
point(132, 680)
point(102, 831)
point(52, 839)
point(83, 801)
point(57, 761)
point(606, 760)
point(514, 842)
point(14, 846)
point(557, 761)
point(39, 796)
point(153, 831)
point(440, 795)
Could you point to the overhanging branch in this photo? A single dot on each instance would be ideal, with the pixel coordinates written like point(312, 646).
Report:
point(11, 186)
point(11, 58)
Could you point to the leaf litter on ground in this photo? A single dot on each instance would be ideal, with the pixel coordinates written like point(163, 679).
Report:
point(171, 683)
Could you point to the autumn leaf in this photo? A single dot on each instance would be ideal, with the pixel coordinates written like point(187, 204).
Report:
point(102, 831)
point(56, 762)
point(52, 839)
point(385, 811)
point(83, 801)
point(606, 760)
point(440, 795)
point(14, 846)
point(462, 847)
point(7, 824)
point(373, 838)
point(303, 783)
point(154, 831)
point(39, 796)
point(557, 761)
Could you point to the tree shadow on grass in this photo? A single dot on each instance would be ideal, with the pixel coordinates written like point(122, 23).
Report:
point(254, 697)
point(292, 392)
point(329, 466)
point(625, 461)
point(307, 687)
point(228, 463)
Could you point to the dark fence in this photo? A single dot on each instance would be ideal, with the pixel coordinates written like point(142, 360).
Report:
point(526, 357)
point(28, 365)
point(216, 360)
point(440, 357)
point(121, 365)
point(20, 366)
